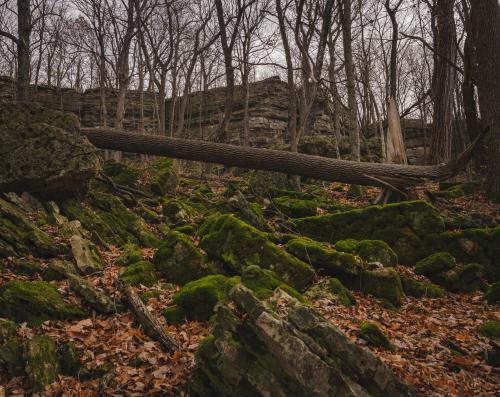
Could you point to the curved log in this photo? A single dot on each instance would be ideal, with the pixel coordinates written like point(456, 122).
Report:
point(371, 174)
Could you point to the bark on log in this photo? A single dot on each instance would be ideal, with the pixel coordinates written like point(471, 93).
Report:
point(150, 324)
point(371, 174)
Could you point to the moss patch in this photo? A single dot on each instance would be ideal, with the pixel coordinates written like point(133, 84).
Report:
point(131, 254)
point(197, 299)
point(347, 245)
point(383, 283)
point(141, 272)
point(332, 289)
point(377, 251)
point(121, 173)
point(421, 289)
point(407, 227)
point(164, 179)
point(491, 329)
point(492, 294)
point(374, 336)
point(434, 265)
point(263, 282)
point(295, 208)
point(42, 366)
point(240, 245)
point(35, 302)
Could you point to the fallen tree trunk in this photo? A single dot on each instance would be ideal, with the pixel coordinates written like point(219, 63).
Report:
point(394, 176)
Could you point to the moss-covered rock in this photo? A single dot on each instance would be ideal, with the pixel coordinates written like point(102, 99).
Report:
point(189, 230)
point(69, 361)
point(249, 212)
point(122, 173)
point(492, 294)
point(20, 237)
point(371, 332)
point(407, 227)
point(142, 272)
point(40, 156)
point(457, 190)
point(263, 282)
point(435, 265)
point(347, 245)
point(470, 278)
point(240, 245)
point(35, 302)
point(12, 356)
point(383, 283)
point(87, 257)
point(197, 299)
point(376, 251)
point(296, 208)
point(42, 365)
point(149, 215)
point(262, 183)
point(491, 329)
point(177, 212)
point(342, 265)
point(333, 290)
point(96, 299)
point(419, 289)
point(164, 177)
point(131, 254)
point(8, 329)
point(179, 261)
point(27, 267)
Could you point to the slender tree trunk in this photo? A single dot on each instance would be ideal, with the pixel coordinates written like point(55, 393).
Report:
point(24, 28)
point(102, 91)
point(486, 14)
point(444, 82)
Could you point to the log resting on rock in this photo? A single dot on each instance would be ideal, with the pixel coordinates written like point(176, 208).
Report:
point(393, 176)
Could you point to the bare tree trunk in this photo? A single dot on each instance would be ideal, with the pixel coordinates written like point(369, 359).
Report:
point(24, 27)
point(487, 20)
point(444, 82)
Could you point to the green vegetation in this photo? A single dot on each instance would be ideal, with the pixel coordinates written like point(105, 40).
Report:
point(165, 178)
point(142, 272)
point(131, 254)
point(295, 208)
point(332, 289)
point(491, 329)
point(35, 302)
point(263, 282)
point(434, 265)
point(42, 366)
point(122, 173)
point(240, 245)
point(383, 283)
point(492, 294)
point(418, 289)
point(347, 245)
point(376, 251)
point(374, 336)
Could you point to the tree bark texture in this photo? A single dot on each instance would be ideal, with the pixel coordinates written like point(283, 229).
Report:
point(371, 174)
point(24, 27)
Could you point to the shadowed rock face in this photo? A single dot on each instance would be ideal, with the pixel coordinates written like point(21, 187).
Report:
point(41, 152)
point(283, 348)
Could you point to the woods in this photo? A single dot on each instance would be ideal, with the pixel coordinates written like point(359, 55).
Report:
point(249, 198)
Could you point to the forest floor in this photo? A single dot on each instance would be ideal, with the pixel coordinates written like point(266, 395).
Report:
point(427, 333)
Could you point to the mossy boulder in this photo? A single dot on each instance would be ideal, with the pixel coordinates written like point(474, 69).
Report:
point(435, 266)
point(179, 261)
point(342, 265)
point(240, 245)
point(8, 329)
point(87, 257)
point(189, 230)
point(407, 227)
point(20, 237)
point(262, 183)
point(473, 246)
point(35, 302)
point(333, 290)
point(142, 272)
point(26, 266)
point(491, 329)
point(42, 157)
point(377, 251)
point(347, 245)
point(69, 361)
point(263, 282)
point(164, 177)
point(295, 208)
point(12, 356)
point(383, 283)
point(122, 173)
point(42, 365)
point(419, 289)
point(249, 212)
point(492, 294)
point(371, 333)
point(457, 190)
point(177, 212)
point(131, 254)
point(197, 299)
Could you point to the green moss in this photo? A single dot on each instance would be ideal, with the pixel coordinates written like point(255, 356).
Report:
point(240, 245)
point(177, 212)
point(26, 267)
point(263, 183)
point(470, 278)
point(35, 302)
point(189, 230)
point(347, 245)
point(295, 208)
point(434, 265)
point(174, 314)
point(338, 264)
point(376, 251)
point(148, 215)
point(148, 295)
point(131, 254)
point(491, 329)
point(492, 294)
point(8, 329)
point(383, 283)
point(407, 227)
point(164, 177)
point(374, 336)
point(332, 289)
point(70, 360)
point(198, 298)
point(457, 190)
point(263, 282)
point(420, 289)
point(179, 261)
point(42, 365)
point(141, 272)
point(121, 173)
point(11, 356)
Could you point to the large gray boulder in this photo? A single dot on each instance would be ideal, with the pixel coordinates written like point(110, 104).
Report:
point(42, 151)
point(284, 348)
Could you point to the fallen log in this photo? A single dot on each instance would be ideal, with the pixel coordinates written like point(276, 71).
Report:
point(149, 323)
point(393, 176)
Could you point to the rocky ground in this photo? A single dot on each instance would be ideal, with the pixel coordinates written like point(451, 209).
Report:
point(262, 288)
